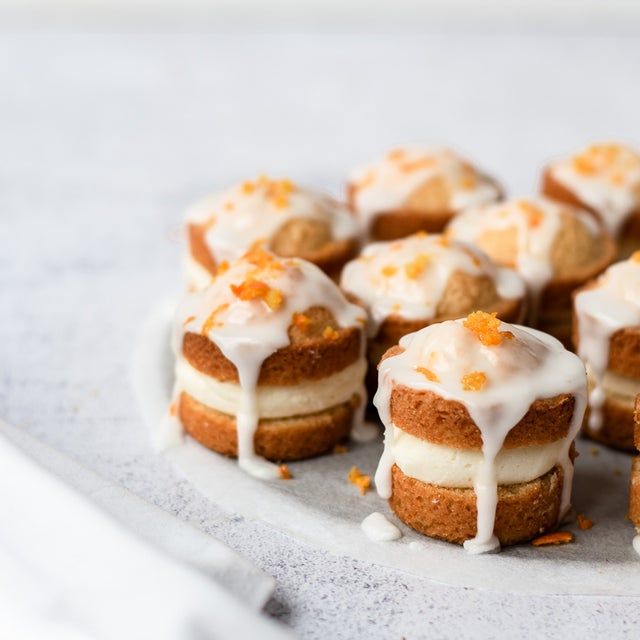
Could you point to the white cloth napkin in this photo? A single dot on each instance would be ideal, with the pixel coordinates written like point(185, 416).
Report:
point(69, 570)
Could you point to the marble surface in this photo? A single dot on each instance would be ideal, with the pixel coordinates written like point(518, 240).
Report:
point(105, 137)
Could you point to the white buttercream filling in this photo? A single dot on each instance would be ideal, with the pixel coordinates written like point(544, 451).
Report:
point(273, 401)
point(622, 389)
point(458, 468)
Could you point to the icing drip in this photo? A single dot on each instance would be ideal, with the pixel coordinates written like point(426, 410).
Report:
point(606, 177)
point(377, 528)
point(247, 311)
point(408, 277)
point(612, 304)
point(520, 365)
point(254, 211)
point(536, 223)
point(387, 184)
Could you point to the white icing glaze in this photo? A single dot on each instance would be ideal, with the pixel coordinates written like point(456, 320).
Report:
point(389, 182)
point(606, 177)
point(408, 277)
point(196, 275)
point(248, 331)
point(537, 222)
point(450, 467)
point(254, 211)
point(377, 528)
point(611, 305)
point(530, 366)
point(310, 396)
point(636, 544)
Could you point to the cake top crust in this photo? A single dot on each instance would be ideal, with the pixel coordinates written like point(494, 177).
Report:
point(540, 238)
point(420, 178)
point(605, 177)
point(275, 212)
point(414, 278)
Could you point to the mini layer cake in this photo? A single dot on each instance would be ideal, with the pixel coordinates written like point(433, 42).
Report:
point(416, 189)
point(634, 488)
point(480, 419)
point(554, 247)
point(410, 283)
point(287, 219)
point(604, 179)
point(607, 338)
point(270, 362)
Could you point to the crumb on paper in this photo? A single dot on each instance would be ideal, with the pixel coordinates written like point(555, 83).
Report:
point(340, 448)
point(173, 409)
point(555, 538)
point(361, 480)
point(584, 523)
point(594, 451)
point(284, 472)
point(616, 471)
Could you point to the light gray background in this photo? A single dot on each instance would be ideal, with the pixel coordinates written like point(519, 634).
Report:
point(106, 136)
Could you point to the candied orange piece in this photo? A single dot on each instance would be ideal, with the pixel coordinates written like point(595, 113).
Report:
point(330, 333)
point(361, 480)
point(474, 381)
point(555, 538)
point(415, 268)
point(252, 289)
point(301, 321)
point(485, 326)
point(428, 374)
point(284, 472)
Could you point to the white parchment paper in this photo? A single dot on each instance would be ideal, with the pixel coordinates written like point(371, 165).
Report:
point(319, 506)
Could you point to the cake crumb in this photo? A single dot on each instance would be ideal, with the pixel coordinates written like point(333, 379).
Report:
point(284, 472)
point(474, 381)
point(361, 480)
point(584, 523)
point(555, 538)
point(340, 448)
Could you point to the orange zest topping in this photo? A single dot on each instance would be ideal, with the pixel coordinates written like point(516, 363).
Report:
point(248, 187)
point(635, 256)
point(210, 322)
point(534, 215)
point(396, 154)
point(485, 326)
point(415, 268)
point(444, 241)
point(361, 480)
point(222, 268)
point(428, 374)
point(409, 166)
point(555, 538)
point(252, 289)
point(389, 270)
point(229, 206)
point(584, 523)
point(188, 320)
point(468, 182)
point(340, 449)
point(301, 321)
point(284, 472)
point(330, 333)
point(474, 381)
point(420, 234)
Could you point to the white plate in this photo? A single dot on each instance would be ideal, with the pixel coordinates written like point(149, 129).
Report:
point(319, 507)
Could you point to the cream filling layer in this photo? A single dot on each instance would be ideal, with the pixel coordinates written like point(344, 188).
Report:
point(273, 401)
point(622, 389)
point(196, 275)
point(458, 468)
